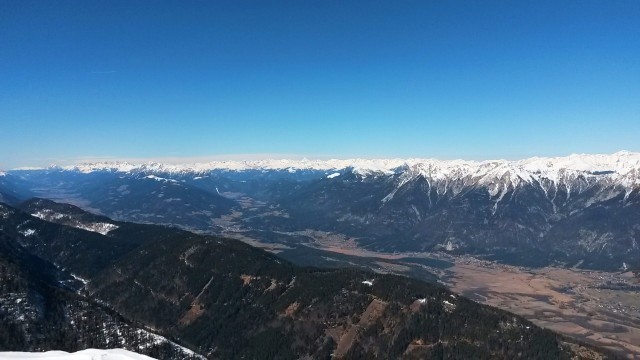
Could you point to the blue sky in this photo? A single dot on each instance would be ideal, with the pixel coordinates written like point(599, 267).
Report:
point(446, 79)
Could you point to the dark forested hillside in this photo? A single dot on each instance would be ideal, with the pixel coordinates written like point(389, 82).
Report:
point(80, 248)
point(225, 299)
point(38, 312)
point(229, 300)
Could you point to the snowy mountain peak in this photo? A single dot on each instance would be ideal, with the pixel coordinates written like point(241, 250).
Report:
point(619, 164)
point(115, 166)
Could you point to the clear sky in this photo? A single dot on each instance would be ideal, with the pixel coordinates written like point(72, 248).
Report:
point(431, 78)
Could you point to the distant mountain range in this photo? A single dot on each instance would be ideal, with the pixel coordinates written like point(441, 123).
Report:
point(71, 280)
point(620, 162)
point(580, 210)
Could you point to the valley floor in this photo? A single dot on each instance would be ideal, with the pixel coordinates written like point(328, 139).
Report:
point(601, 308)
point(577, 303)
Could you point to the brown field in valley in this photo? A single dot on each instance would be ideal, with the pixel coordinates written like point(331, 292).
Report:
point(573, 302)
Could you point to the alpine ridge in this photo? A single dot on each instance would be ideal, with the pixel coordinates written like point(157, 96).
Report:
point(620, 162)
point(576, 172)
point(579, 209)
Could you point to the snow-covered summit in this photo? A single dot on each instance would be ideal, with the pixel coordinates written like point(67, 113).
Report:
point(383, 165)
point(621, 162)
point(88, 354)
point(115, 166)
point(619, 165)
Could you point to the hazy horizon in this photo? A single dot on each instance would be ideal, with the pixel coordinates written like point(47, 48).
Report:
point(257, 157)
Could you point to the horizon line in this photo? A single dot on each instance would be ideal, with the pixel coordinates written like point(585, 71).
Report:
point(200, 160)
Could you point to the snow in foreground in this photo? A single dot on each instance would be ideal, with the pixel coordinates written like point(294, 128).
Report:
point(88, 354)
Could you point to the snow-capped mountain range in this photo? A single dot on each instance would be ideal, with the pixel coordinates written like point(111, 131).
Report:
point(574, 209)
point(620, 163)
point(574, 173)
point(621, 168)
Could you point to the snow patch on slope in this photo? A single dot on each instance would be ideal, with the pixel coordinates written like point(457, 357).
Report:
point(27, 232)
point(48, 215)
point(158, 340)
point(98, 227)
point(101, 228)
point(157, 178)
point(88, 354)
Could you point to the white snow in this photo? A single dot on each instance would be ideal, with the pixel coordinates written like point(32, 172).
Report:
point(47, 214)
point(368, 282)
point(157, 178)
point(88, 354)
point(81, 279)
point(161, 339)
point(449, 246)
point(28, 232)
point(101, 228)
point(621, 168)
point(620, 162)
point(336, 174)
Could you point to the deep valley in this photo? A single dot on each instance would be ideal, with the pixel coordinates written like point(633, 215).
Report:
point(551, 240)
